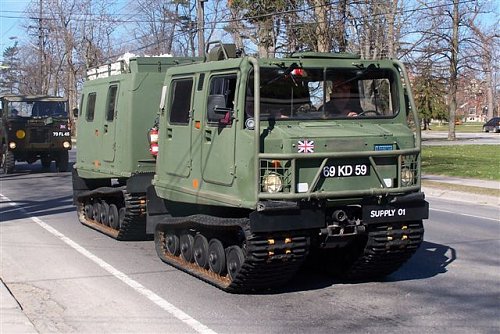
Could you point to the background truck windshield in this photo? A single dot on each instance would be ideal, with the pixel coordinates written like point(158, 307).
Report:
point(37, 109)
point(312, 93)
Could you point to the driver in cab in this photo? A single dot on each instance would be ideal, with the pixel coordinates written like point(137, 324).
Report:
point(343, 101)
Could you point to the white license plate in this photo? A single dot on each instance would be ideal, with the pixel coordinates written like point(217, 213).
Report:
point(346, 170)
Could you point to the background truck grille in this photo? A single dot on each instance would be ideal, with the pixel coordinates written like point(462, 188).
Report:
point(39, 136)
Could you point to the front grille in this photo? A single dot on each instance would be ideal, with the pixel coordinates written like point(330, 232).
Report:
point(39, 136)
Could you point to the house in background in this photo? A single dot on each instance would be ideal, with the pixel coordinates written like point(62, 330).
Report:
point(472, 103)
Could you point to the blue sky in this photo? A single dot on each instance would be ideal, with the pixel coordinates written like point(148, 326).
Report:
point(10, 23)
point(12, 18)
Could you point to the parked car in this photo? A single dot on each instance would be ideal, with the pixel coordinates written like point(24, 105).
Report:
point(492, 125)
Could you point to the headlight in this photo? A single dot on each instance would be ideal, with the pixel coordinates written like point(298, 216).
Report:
point(12, 145)
point(272, 183)
point(66, 144)
point(20, 134)
point(407, 177)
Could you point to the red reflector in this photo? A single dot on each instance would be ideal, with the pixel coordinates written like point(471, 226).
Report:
point(154, 149)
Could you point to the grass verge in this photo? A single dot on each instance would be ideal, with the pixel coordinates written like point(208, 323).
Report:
point(466, 127)
point(469, 161)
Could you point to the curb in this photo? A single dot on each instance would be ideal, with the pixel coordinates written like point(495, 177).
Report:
point(13, 319)
point(461, 196)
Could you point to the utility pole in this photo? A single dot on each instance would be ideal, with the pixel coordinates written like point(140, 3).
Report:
point(200, 13)
point(40, 45)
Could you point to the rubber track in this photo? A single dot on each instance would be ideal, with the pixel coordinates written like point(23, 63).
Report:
point(133, 227)
point(387, 248)
point(259, 271)
point(134, 223)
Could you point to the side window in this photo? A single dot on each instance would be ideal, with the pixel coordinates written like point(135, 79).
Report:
point(111, 103)
point(82, 101)
point(221, 99)
point(91, 106)
point(181, 101)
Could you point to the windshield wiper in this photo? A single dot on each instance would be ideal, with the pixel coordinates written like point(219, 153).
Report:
point(285, 73)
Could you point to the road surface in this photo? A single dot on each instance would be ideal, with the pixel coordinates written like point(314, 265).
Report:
point(69, 278)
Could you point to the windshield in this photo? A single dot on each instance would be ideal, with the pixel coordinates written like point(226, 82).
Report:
point(37, 109)
point(317, 93)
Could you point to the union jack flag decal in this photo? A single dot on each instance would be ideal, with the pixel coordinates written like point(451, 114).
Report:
point(305, 146)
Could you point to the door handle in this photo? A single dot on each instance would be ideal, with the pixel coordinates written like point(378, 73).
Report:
point(105, 128)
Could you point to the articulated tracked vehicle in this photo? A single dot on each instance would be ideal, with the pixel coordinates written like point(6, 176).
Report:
point(113, 164)
point(263, 163)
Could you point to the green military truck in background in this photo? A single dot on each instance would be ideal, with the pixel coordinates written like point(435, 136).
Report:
point(34, 127)
point(253, 173)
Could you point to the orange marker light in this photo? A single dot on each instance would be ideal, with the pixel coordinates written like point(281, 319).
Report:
point(196, 183)
point(197, 124)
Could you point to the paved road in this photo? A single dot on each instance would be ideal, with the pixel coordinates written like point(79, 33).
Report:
point(69, 278)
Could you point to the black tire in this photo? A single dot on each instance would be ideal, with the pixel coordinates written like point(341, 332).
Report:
point(216, 257)
point(113, 217)
point(234, 258)
point(88, 211)
point(200, 251)
point(8, 162)
point(104, 213)
point(186, 241)
point(172, 243)
point(96, 212)
point(62, 162)
point(46, 161)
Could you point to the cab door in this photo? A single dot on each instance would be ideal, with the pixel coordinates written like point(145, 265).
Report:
point(219, 134)
point(109, 125)
point(176, 154)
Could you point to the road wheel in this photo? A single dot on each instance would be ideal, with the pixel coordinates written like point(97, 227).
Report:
point(200, 251)
point(88, 211)
point(216, 257)
point(235, 259)
point(104, 213)
point(96, 209)
point(187, 241)
point(62, 162)
point(172, 243)
point(113, 217)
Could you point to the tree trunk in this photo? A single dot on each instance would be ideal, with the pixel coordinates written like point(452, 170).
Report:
point(322, 35)
point(452, 108)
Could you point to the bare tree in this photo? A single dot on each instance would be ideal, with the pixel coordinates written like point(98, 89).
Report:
point(485, 45)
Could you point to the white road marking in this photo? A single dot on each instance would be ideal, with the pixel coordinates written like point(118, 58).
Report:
point(464, 214)
point(165, 305)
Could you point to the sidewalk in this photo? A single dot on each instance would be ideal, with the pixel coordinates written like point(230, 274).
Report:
point(12, 317)
point(434, 189)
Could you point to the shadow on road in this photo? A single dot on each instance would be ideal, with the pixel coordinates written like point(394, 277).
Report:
point(430, 260)
point(25, 209)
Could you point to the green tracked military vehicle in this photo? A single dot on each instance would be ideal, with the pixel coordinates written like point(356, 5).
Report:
point(34, 127)
point(113, 164)
point(263, 163)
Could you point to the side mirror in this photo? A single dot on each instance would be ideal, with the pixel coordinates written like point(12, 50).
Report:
point(75, 112)
point(407, 104)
